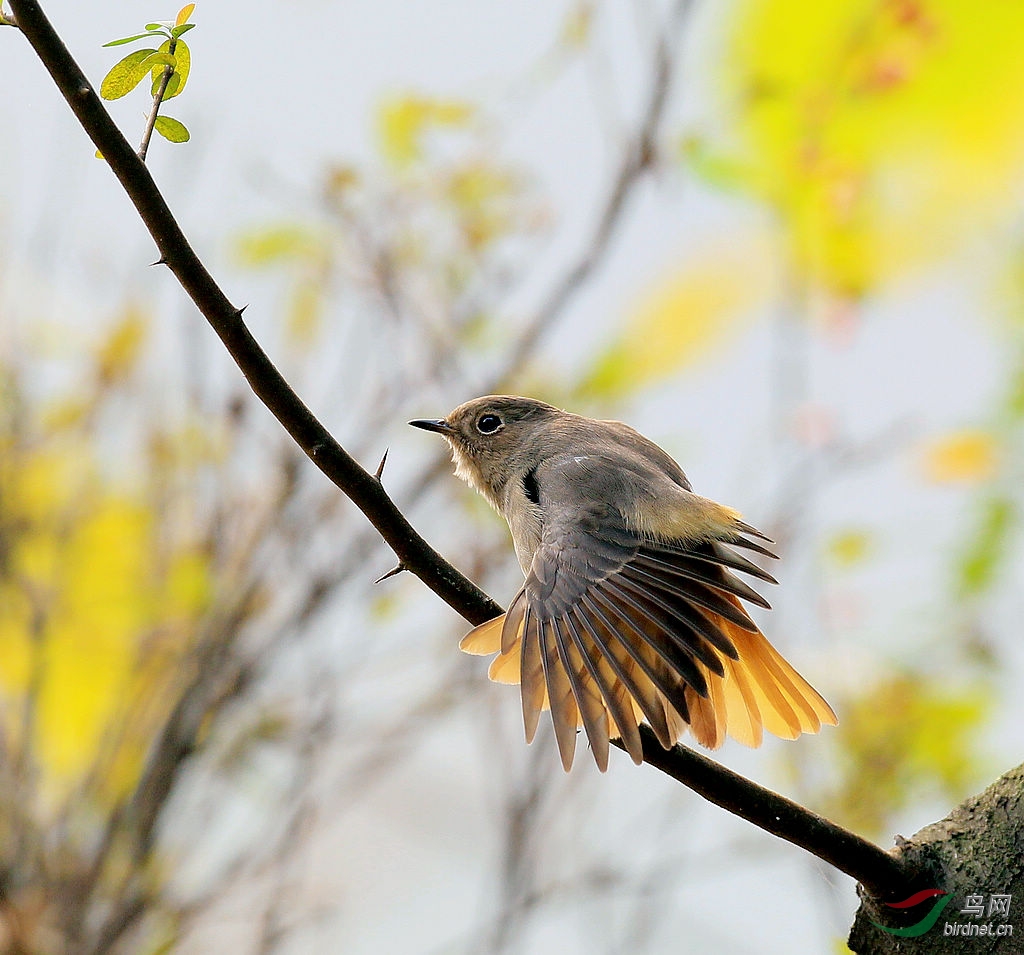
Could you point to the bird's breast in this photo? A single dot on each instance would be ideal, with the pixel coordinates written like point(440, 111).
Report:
point(525, 521)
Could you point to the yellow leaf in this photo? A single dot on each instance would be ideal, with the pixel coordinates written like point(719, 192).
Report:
point(577, 26)
point(67, 414)
point(93, 621)
point(962, 457)
point(482, 197)
point(850, 547)
point(119, 352)
point(305, 310)
point(277, 243)
point(183, 14)
point(681, 317)
point(125, 75)
point(90, 644)
point(402, 122)
point(182, 68)
point(883, 133)
point(188, 585)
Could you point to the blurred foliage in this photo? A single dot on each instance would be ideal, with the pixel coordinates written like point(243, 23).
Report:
point(119, 352)
point(987, 546)
point(678, 319)
point(428, 247)
point(962, 457)
point(881, 131)
point(307, 252)
point(905, 739)
point(850, 547)
point(405, 121)
point(578, 25)
point(118, 578)
point(97, 602)
point(879, 141)
point(135, 554)
point(883, 135)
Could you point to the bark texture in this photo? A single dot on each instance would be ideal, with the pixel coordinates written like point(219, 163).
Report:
point(977, 850)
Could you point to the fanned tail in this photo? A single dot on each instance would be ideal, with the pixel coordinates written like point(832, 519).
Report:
point(608, 693)
point(664, 640)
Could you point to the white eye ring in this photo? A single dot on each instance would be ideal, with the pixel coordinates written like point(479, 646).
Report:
point(488, 423)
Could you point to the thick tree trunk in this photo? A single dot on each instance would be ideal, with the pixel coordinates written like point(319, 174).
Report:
point(976, 856)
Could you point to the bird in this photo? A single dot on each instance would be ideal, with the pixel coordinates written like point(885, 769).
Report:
point(631, 610)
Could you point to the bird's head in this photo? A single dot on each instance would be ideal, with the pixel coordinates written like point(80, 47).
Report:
point(494, 439)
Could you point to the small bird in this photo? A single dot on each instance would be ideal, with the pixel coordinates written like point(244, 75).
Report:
point(630, 611)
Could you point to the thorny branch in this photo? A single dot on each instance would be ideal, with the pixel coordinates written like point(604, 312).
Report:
point(637, 155)
point(878, 871)
point(226, 320)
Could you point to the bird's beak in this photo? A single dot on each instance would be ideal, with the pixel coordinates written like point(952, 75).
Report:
point(432, 424)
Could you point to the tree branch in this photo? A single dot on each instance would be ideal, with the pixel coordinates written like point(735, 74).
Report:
point(976, 848)
point(226, 320)
point(879, 872)
point(883, 875)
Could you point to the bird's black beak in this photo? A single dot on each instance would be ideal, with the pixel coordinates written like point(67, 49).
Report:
point(432, 424)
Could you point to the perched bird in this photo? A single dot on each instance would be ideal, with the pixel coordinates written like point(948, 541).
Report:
point(630, 611)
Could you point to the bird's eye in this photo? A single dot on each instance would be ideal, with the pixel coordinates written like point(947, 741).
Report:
point(488, 423)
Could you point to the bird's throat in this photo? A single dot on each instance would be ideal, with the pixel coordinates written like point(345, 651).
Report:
point(467, 470)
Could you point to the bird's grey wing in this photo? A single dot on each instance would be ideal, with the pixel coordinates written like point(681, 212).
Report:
point(610, 628)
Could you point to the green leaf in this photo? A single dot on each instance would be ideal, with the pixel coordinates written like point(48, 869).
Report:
point(128, 39)
point(161, 59)
point(184, 28)
point(987, 548)
point(183, 58)
point(715, 168)
point(906, 736)
point(125, 75)
point(171, 129)
point(1015, 399)
point(156, 26)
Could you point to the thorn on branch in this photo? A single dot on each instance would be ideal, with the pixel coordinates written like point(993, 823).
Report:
point(397, 569)
point(160, 261)
point(378, 474)
point(239, 311)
